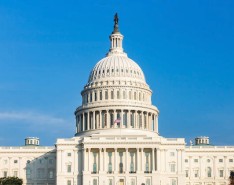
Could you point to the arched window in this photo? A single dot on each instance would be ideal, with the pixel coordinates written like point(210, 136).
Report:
point(106, 95)
point(124, 94)
point(118, 95)
point(112, 94)
point(91, 97)
point(100, 97)
point(139, 96)
point(130, 95)
point(135, 96)
point(95, 96)
point(209, 171)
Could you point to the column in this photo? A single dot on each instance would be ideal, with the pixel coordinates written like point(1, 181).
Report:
point(100, 119)
point(190, 166)
point(147, 121)
point(158, 159)
point(142, 163)
point(83, 121)
point(153, 160)
point(200, 168)
point(142, 120)
point(129, 119)
point(100, 160)
point(116, 165)
point(94, 120)
point(88, 119)
point(150, 121)
point(104, 159)
point(121, 123)
point(156, 123)
point(165, 157)
point(138, 160)
point(108, 118)
point(225, 168)
point(126, 163)
point(89, 160)
point(84, 160)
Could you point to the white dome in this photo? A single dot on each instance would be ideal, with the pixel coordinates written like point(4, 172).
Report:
point(118, 67)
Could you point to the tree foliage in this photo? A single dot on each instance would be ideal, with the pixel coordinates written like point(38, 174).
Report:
point(231, 178)
point(11, 181)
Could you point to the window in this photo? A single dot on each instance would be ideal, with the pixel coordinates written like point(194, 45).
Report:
point(172, 167)
point(68, 182)
point(110, 182)
point(147, 167)
point(106, 95)
point(94, 162)
point(220, 160)
point(5, 174)
point(50, 161)
point(112, 94)
point(172, 154)
point(186, 160)
point(94, 181)
point(15, 161)
point(129, 95)
point(132, 170)
point(100, 95)
point(220, 173)
point(95, 96)
point(69, 154)
point(69, 168)
point(40, 173)
point(124, 95)
point(173, 182)
point(186, 173)
point(121, 162)
point(28, 173)
point(196, 160)
point(132, 181)
point(91, 97)
point(148, 182)
point(208, 160)
point(118, 95)
point(195, 173)
point(209, 172)
point(15, 174)
point(5, 161)
point(110, 162)
point(132, 119)
point(135, 96)
point(231, 160)
point(51, 174)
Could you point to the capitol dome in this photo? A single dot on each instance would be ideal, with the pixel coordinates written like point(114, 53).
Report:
point(116, 66)
point(116, 95)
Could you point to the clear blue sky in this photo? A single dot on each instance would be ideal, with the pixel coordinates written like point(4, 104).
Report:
point(47, 49)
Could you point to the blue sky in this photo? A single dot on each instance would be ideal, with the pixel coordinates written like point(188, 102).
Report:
point(47, 49)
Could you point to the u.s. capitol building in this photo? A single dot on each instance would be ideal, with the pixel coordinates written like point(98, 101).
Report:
point(117, 141)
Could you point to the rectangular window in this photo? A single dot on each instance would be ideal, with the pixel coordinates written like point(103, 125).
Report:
point(172, 167)
point(195, 173)
point(187, 173)
point(220, 160)
point(51, 174)
point(69, 168)
point(112, 94)
point(186, 160)
point(196, 160)
point(68, 182)
point(69, 154)
point(172, 154)
point(118, 95)
point(220, 173)
point(15, 173)
point(110, 162)
point(132, 119)
point(15, 161)
point(5, 174)
point(91, 97)
point(231, 160)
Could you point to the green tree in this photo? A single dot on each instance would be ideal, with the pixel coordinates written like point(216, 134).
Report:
point(11, 181)
point(231, 178)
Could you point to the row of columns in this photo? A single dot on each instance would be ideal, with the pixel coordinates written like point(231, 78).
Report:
point(128, 119)
point(115, 94)
point(139, 162)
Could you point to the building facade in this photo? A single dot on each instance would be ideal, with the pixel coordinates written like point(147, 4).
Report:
point(117, 140)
